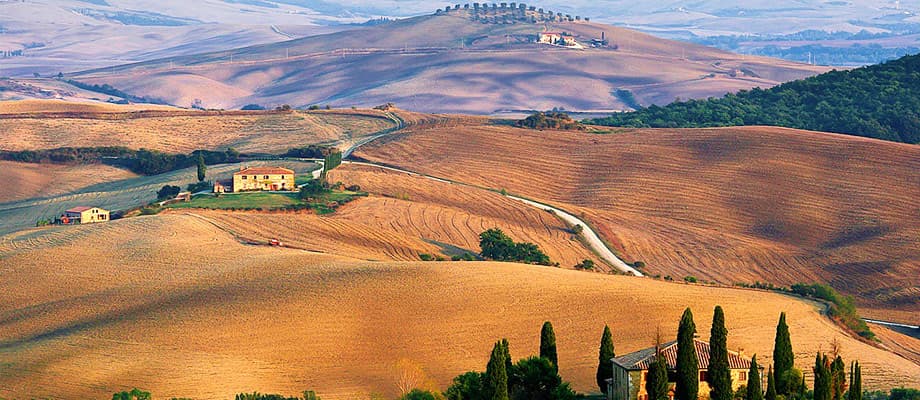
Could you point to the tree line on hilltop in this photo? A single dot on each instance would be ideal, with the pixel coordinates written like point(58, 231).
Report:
point(880, 101)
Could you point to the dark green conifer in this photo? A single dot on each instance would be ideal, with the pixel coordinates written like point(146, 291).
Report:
point(822, 378)
point(604, 365)
point(838, 379)
point(688, 372)
point(496, 379)
point(202, 168)
point(548, 344)
point(719, 375)
point(656, 384)
point(754, 392)
point(771, 385)
point(783, 359)
point(855, 381)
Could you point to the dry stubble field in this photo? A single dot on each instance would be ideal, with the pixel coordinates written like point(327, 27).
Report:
point(24, 181)
point(730, 205)
point(174, 305)
point(403, 217)
point(265, 132)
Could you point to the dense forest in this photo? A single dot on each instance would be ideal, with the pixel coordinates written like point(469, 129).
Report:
point(880, 101)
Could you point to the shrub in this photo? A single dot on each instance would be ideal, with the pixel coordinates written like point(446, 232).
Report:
point(313, 107)
point(498, 246)
point(578, 229)
point(549, 120)
point(419, 394)
point(168, 192)
point(690, 279)
point(252, 107)
point(353, 188)
point(134, 394)
point(586, 265)
point(426, 257)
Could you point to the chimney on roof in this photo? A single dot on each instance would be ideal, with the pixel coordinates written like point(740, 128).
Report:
point(696, 335)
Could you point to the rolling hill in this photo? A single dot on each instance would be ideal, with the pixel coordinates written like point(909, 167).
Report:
point(174, 305)
point(459, 62)
point(725, 204)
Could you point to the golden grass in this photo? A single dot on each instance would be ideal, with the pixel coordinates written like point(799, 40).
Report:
point(253, 132)
point(406, 216)
point(23, 181)
point(900, 343)
point(174, 305)
point(730, 205)
point(58, 106)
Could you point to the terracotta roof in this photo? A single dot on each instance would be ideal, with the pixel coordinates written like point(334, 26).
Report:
point(80, 209)
point(641, 359)
point(265, 171)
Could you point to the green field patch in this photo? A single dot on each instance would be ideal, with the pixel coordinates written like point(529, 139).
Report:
point(322, 203)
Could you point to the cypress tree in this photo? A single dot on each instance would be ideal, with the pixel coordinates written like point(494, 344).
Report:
point(688, 371)
point(509, 366)
point(548, 344)
point(753, 388)
point(855, 381)
point(202, 168)
point(822, 378)
point(496, 379)
point(656, 384)
point(719, 376)
point(783, 359)
point(604, 366)
point(838, 379)
point(771, 385)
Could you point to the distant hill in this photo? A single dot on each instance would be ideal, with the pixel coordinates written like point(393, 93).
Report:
point(881, 101)
point(465, 60)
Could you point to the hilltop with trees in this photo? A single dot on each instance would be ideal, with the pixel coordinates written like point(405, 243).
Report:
point(880, 101)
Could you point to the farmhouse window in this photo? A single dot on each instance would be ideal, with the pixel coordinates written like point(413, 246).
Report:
point(742, 376)
point(266, 177)
point(703, 376)
point(244, 177)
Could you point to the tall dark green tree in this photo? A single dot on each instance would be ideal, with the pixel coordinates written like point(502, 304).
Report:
point(604, 365)
point(719, 375)
point(656, 385)
point(509, 365)
point(855, 382)
point(202, 168)
point(548, 344)
point(838, 379)
point(771, 385)
point(536, 379)
point(783, 359)
point(688, 371)
point(495, 385)
point(823, 378)
point(754, 392)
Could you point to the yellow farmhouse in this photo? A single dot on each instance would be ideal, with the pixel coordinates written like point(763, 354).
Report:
point(630, 371)
point(263, 178)
point(84, 215)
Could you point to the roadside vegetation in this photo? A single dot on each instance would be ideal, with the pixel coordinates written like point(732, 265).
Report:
point(880, 101)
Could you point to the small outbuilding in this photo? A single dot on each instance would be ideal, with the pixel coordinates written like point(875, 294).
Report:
point(84, 215)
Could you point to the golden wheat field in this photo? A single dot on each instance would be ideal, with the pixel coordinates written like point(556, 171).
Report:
point(405, 216)
point(174, 305)
point(266, 132)
point(23, 181)
point(729, 205)
point(57, 106)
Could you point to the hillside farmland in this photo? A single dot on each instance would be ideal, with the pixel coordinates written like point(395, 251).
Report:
point(728, 205)
point(185, 131)
point(114, 194)
point(174, 305)
point(23, 181)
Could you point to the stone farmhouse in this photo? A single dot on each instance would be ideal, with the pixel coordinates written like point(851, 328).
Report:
point(257, 179)
point(631, 370)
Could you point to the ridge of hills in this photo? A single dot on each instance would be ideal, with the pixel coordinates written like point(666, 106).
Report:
point(453, 62)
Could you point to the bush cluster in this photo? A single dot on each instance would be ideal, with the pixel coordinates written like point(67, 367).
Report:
point(498, 246)
point(549, 120)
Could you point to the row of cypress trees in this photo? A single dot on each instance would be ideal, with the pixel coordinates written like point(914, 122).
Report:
point(783, 380)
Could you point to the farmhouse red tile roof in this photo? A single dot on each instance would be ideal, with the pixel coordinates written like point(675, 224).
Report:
point(265, 171)
point(79, 209)
point(641, 359)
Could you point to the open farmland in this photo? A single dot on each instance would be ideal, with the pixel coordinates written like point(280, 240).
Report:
point(185, 131)
point(174, 305)
point(729, 205)
point(406, 216)
point(116, 194)
point(59, 106)
point(23, 181)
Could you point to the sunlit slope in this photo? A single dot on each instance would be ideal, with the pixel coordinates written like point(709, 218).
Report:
point(174, 305)
point(729, 205)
